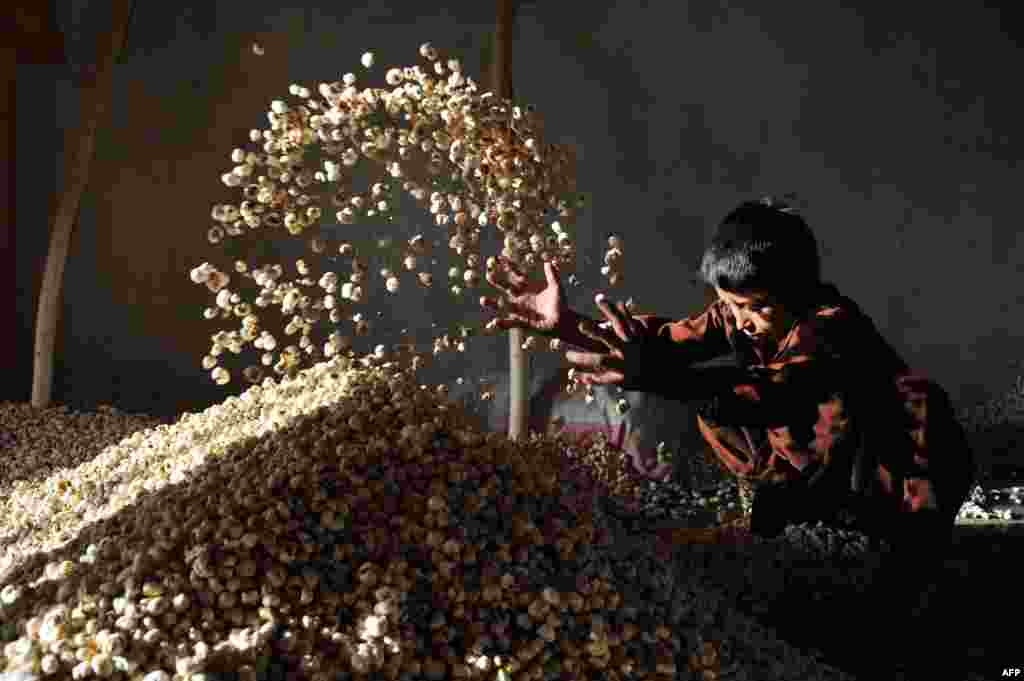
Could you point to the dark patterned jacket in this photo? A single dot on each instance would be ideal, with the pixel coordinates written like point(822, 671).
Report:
point(835, 410)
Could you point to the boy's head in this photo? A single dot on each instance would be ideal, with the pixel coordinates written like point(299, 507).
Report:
point(763, 262)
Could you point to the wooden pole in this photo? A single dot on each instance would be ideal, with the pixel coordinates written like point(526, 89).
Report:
point(95, 88)
point(501, 85)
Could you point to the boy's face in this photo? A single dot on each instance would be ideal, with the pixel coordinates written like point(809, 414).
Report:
point(761, 317)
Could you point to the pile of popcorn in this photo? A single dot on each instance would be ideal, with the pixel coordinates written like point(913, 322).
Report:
point(346, 523)
point(37, 442)
point(993, 504)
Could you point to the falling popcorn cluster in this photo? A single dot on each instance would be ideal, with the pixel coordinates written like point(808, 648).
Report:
point(474, 161)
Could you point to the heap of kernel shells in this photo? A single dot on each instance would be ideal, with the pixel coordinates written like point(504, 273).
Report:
point(343, 523)
point(610, 468)
point(474, 160)
point(37, 442)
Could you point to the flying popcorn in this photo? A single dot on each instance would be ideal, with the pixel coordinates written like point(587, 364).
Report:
point(473, 161)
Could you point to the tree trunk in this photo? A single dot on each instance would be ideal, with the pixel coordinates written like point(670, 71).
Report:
point(95, 87)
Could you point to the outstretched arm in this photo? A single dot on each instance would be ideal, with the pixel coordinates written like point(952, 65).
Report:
point(535, 305)
point(647, 353)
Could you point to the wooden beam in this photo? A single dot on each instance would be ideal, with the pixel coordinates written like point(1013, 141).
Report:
point(95, 88)
point(36, 36)
point(501, 61)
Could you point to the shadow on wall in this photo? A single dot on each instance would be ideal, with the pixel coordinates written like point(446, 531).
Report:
point(1000, 452)
point(995, 431)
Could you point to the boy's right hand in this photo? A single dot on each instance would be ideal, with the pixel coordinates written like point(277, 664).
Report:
point(537, 306)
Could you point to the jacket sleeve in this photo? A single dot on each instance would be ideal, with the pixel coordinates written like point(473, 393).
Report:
point(764, 398)
point(847, 355)
point(697, 339)
point(674, 346)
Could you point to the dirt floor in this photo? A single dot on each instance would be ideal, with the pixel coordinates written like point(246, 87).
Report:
point(964, 626)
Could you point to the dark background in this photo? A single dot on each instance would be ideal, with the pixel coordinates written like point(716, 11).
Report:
point(896, 123)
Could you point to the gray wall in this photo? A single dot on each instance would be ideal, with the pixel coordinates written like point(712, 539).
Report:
point(899, 127)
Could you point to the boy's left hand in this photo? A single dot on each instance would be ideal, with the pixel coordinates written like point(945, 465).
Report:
point(629, 362)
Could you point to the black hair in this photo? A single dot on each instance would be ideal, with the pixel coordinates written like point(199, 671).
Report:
point(763, 246)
